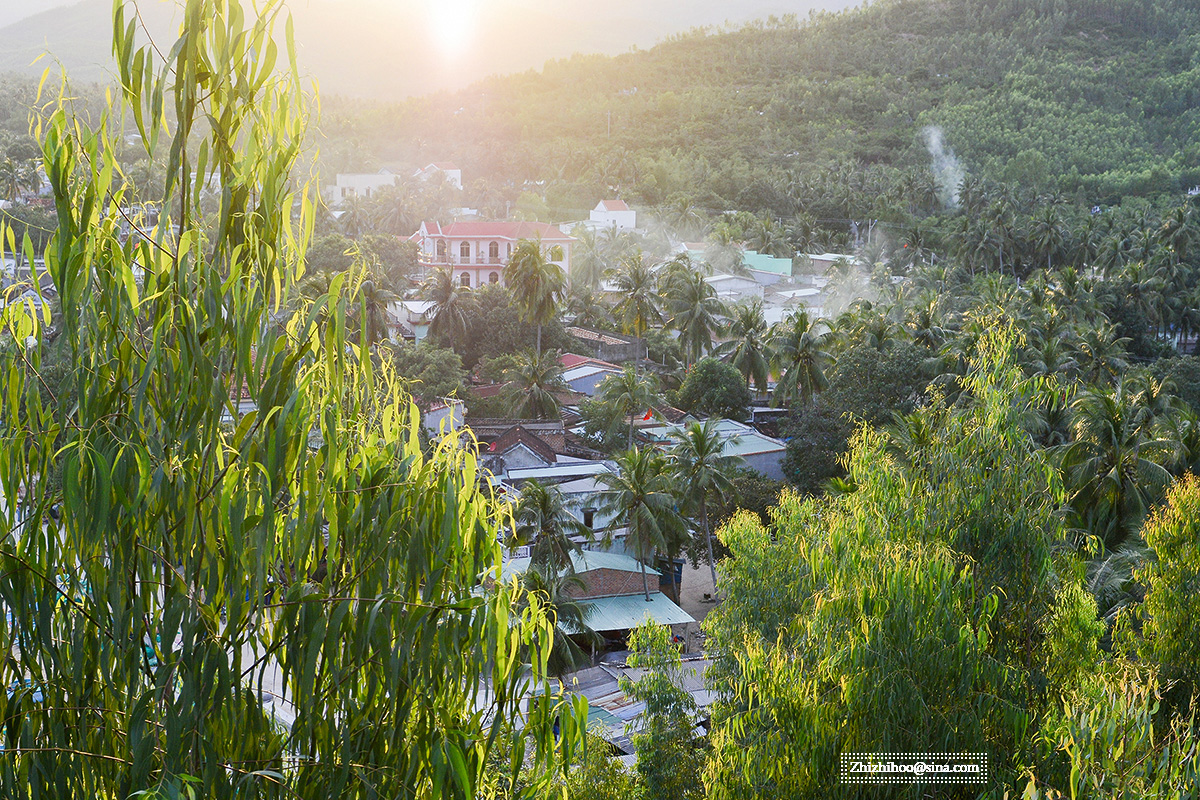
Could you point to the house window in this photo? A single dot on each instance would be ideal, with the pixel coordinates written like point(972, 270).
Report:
point(494, 277)
point(556, 253)
point(441, 248)
point(464, 249)
point(465, 279)
point(589, 517)
point(494, 250)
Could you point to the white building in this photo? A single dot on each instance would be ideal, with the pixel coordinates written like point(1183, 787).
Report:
point(614, 214)
point(358, 184)
point(446, 169)
point(478, 251)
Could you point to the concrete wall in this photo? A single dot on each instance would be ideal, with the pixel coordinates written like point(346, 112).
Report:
point(768, 464)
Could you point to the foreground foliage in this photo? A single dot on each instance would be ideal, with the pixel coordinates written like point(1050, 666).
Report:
point(208, 572)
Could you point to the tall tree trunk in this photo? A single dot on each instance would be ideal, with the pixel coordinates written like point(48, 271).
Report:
point(539, 341)
point(645, 583)
point(712, 564)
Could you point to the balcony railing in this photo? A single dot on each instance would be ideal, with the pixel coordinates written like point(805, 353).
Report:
point(462, 261)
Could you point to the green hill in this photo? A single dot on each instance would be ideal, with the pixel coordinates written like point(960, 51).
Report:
point(1089, 98)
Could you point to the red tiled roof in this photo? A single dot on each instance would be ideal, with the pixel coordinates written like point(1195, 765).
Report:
point(490, 389)
point(614, 205)
point(499, 230)
point(569, 360)
point(518, 435)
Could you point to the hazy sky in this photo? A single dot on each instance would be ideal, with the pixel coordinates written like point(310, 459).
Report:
point(395, 48)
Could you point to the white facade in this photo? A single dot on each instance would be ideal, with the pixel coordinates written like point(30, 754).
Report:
point(614, 214)
point(449, 172)
point(478, 251)
point(358, 184)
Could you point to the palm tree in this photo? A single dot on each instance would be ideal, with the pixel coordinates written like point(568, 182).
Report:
point(585, 306)
point(447, 313)
point(696, 312)
point(541, 518)
point(396, 210)
point(569, 615)
point(640, 497)
point(702, 472)
point(532, 382)
point(638, 308)
point(630, 394)
point(1115, 467)
point(747, 349)
point(798, 351)
point(538, 284)
point(356, 218)
point(16, 176)
point(1100, 353)
point(373, 310)
point(587, 262)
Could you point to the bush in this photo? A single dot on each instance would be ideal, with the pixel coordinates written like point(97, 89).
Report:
point(712, 388)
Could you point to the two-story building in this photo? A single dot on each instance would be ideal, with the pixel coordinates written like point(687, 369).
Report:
point(478, 251)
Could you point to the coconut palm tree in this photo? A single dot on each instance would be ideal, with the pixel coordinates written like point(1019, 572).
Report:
point(585, 306)
point(630, 394)
point(640, 496)
point(538, 284)
point(447, 313)
point(569, 615)
point(587, 261)
point(532, 382)
point(695, 311)
point(373, 303)
point(639, 305)
point(747, 348)
point(798, 351)
point(1100, 353)
point(703, 472)
point(1115, 466)
point(356, 217)
point(541, 518)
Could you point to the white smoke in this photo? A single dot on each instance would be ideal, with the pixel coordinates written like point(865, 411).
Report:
point(947, 172)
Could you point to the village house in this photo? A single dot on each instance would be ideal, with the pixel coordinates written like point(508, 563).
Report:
point(613, 214)
point(445, 169)
point(358, 184)
point(478, 251)
point(612, 587)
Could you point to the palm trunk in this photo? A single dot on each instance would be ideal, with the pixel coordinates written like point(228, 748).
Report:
point(712, 564)
point(539, 341)
point(645, 583)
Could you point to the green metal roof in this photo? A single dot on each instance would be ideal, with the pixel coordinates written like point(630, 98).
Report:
point(583, 562)
point(767, 263)
point(628, 611)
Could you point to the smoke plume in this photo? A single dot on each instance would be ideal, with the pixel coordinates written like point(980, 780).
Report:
point(947, 172)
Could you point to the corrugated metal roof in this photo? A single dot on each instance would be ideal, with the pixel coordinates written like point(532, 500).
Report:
point(584, 562)
point(628, 611)
point(559, 470)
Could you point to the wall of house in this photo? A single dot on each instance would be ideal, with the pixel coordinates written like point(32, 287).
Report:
point(609, 582)
point(767, 464)
point(624, 220)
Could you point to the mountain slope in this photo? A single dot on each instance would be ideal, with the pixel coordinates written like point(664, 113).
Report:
point(1099, 98)
point(390, 49)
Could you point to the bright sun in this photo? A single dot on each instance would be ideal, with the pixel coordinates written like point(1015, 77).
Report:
point(452, 24)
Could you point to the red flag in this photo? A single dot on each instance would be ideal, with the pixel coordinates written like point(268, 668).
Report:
point(649, 413)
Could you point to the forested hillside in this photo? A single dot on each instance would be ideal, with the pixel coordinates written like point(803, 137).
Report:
point(1095, 98)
